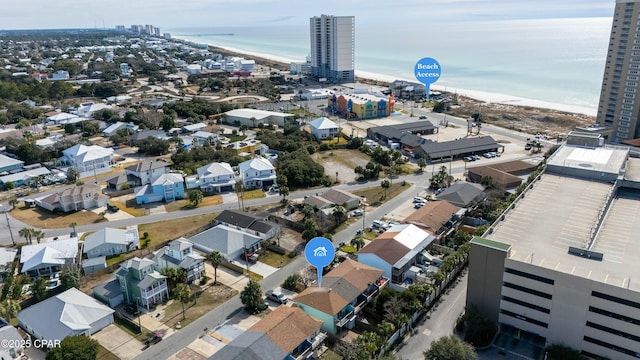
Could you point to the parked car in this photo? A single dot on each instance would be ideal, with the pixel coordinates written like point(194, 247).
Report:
point(377, 224)
point(132, 310)
point(357, 212)
point(112, 208)
point(156, 338)
point(418, 205)
point(419, 199)
point(249, 257)
point(276, 296)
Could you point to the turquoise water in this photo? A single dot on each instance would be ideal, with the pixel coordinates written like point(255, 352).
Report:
point(554, 60)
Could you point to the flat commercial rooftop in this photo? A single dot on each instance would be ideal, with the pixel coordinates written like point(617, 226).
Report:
point(603, 159)
point(561, 212)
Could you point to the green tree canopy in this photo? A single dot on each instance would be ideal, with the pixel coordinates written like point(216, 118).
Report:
point(251, 296)
point(77, 347)
point(450, 348)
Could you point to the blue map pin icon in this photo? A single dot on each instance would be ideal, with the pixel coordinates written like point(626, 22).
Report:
point(319, 252)
point(427, 71)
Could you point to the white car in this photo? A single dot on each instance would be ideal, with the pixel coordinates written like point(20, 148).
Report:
point(355, 213)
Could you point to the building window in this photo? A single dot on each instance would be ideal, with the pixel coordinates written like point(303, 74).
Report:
point(524, 318)
point(527, 290)
point(615, 299)
point(609, 346)
point(612, 315)
point(529, 276)
point(526, 304)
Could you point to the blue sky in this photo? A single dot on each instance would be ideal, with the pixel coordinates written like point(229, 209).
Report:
point(40, 14)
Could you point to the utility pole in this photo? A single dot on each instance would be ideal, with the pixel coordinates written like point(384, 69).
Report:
point(8, 224)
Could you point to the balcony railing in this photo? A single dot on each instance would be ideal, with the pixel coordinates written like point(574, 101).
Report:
point(158, 290)
point(346, 318)
point(317, 340)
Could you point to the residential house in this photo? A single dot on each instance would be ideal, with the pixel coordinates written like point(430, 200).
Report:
point(10, 164)
point(109, 292)
point(252, 224)
point(70, 313)
point(145, 134)
point(140, 283)
point(257, 173)
point(462, 194)
point(25, 177)
point(323, 128)
point(213, 178)
point(83, 197)
point(87, 109)
point(396, 251)
point(244, 147)
point(344, 293)
point(178, 254)
point(285, 333)
point(60, 75)
point(89, 266)
point(84, 158)
point(146, 171)
point(168, 188)
point(110, 241)
point(333, 197)
point(253, 117)
point(438, 218)
point(61, 118)
point(13, 343)
point(113, 128)
point(229, 242)
point(7, 257)
point(48, 258)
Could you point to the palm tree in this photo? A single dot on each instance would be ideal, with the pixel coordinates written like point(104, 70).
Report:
point(13, 203)
point(357, 242)
point(182, 293)
point(26, 233)
point(215, 258)
point(38, 234)
point(9, 308)
point(73, 226)
point(385, 184)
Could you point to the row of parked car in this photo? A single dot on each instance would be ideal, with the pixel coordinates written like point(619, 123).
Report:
point(487, 155)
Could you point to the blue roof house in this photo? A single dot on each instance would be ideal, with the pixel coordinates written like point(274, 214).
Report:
point(168, 187)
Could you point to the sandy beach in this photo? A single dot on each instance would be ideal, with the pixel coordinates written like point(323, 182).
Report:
point(491, 98)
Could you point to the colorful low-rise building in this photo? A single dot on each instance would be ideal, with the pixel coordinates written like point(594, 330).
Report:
point(362, 106)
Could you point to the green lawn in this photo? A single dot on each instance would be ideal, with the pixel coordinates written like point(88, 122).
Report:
point(375, 195)
point(276, 260)
point(210, 298)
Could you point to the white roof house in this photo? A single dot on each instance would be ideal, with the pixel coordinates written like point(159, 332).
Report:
point(214, 177)
point(253, 117)
point(87, 158)
point(52, 255)
point(229, 242)
point(109, 241)
point(7, 256)
point(67, 314)
point(323, 128)
point(257, 173)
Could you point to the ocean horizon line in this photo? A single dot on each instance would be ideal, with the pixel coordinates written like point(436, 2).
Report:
point(484, 96)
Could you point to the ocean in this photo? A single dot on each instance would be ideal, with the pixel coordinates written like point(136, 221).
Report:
point(558, 61)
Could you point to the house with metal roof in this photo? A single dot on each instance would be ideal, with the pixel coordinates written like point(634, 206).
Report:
point(9, 164)
point(67, 314)
point(13, 343)
point(179, 254)
point(456, 149)
point(323, 128)
point(87, 158)
point(110, 241)
point(285, 333)
point(213, 178)
point(48, 258)
point(141, 283)
point(395, 251)
point(257, 173)
point(344, 293)
point(167, 187)
point(228, 241)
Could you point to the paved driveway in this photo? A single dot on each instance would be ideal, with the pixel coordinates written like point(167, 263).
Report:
point(116, 340)
point(258, 268)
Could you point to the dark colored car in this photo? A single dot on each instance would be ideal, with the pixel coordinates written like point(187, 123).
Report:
point(132, 310)
point(156, 338)
point(252, 258)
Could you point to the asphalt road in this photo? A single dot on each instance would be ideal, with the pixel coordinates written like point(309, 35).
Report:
point(440, 322)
